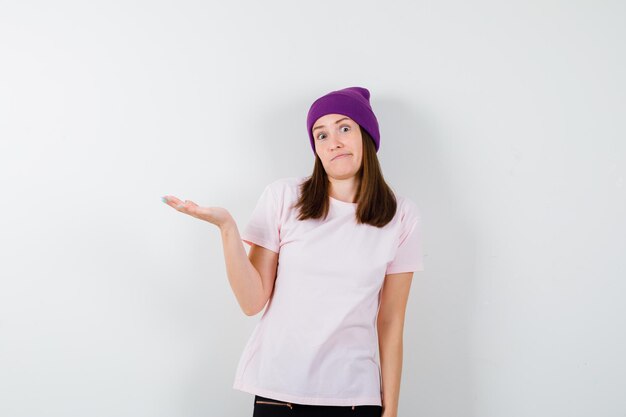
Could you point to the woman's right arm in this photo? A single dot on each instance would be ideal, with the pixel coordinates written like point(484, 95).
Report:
point(251, 276)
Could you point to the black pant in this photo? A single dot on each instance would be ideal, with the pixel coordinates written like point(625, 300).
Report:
point(268, 407)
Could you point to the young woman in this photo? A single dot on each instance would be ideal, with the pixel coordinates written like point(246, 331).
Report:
point(331, 260)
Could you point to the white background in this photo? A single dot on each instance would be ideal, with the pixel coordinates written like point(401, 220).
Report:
point(503, 121)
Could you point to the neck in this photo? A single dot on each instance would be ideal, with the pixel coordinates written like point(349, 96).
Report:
point(343, 189)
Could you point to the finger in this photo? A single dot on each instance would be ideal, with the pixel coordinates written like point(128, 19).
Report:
point(171, 200)
point(188, 206)
point(174, 202)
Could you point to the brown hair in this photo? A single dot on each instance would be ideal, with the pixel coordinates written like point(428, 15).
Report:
point(376, 201)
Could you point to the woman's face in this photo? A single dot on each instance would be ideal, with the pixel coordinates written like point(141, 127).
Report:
point(335, 135)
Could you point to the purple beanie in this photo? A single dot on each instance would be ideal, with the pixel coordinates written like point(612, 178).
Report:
point(352, 102)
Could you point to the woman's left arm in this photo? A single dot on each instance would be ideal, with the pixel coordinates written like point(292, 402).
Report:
point(390, 324)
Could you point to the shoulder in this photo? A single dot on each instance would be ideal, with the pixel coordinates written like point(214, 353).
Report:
point(407, 209)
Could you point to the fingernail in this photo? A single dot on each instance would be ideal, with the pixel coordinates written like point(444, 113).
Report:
point(163, 199)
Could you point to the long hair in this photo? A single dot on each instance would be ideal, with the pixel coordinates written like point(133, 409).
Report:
point(376, 201)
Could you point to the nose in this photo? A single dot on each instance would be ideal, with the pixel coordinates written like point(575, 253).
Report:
point(334, 140)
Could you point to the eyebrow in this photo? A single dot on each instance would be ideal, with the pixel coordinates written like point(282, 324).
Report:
point(319, 127)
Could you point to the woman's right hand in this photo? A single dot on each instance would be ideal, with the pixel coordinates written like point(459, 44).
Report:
point(219, 216)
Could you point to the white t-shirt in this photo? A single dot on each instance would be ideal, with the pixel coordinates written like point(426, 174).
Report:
point(316, 342)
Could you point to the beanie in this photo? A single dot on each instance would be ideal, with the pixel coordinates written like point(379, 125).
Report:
point(352, 102)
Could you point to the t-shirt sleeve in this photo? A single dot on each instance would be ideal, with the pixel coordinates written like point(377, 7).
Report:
point(263, 227)
point(409, 256)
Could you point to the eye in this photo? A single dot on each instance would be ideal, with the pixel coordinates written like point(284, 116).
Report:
point(345, 126)
point(321, 134)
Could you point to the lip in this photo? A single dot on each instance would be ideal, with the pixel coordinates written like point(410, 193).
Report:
point(339, 156)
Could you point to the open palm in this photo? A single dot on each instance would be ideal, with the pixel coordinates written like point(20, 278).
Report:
point(219, 216)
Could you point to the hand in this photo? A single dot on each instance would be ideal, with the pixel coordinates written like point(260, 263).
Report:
point(219, 216)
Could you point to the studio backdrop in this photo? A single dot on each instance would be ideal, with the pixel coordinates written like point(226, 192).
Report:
point(502, 121)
